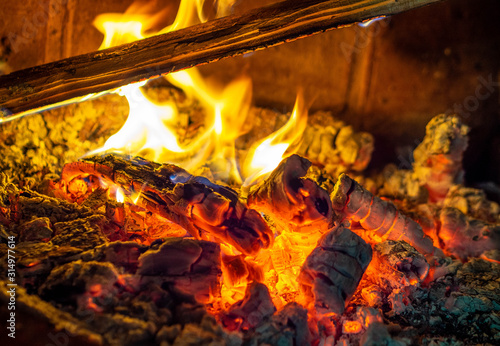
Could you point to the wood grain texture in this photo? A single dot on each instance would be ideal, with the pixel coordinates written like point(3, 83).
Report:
point(78, 76)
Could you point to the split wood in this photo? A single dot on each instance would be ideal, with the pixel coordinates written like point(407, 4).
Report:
point(40, 86)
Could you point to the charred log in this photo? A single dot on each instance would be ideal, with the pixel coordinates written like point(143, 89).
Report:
point(331, 273)
point(381, 219)
point(233, 35)
point(204, 209)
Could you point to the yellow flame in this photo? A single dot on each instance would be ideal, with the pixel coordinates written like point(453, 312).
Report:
point(148, 131)
point(266, 155)
point(120, 196)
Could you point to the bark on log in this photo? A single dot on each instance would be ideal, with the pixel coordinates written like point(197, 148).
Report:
point(206, 210)
point(51, 83)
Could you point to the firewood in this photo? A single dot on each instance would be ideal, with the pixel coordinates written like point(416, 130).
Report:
point(229, 36)
point(331, 273)
point(206, 210)
point(294, 201)
point(381, 219)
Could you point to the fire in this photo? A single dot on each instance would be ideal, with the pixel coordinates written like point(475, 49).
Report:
point(151, 129)
point(265, 156)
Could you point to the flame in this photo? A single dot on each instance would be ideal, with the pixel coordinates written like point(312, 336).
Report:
point(151, 127)
point(266, 155)
point(120, 196)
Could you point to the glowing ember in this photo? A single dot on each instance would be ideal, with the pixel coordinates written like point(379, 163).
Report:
point(352, 327)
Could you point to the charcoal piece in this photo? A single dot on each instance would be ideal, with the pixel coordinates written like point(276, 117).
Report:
point(331, 273)
point(206, 210)
point(31, 204)
point(238, 271)
point(291, 198)
point(251, 311)
point(84, 234)
point(118, 329)
point(286, 327)
point(381, 219)
point(189, 266)
point(38, 229)
point(96, 199)
point(438, 159)
point(378, 334)
point(75, 281)
point(40, 323)
point(168, 333)
point(121, 254)
point(466, 237)
point(35, 260)
point(396, 264)
point(473, 203)
point(208, 332)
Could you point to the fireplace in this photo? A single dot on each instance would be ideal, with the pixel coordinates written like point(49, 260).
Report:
point(337, 189)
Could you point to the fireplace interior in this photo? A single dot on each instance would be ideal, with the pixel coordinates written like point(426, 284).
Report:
point(339, 189)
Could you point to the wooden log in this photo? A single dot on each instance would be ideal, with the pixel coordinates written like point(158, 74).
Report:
point(206, 210)
point(38, 87)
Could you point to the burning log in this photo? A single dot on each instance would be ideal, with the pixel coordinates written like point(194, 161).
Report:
point(233, 35)
point(381, 219)
point(204, 209)
point(331, 273)
point(292, 199)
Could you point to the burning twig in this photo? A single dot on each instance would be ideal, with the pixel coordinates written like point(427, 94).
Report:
point(331, 272)
point(204, 209)
point(380, 218)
